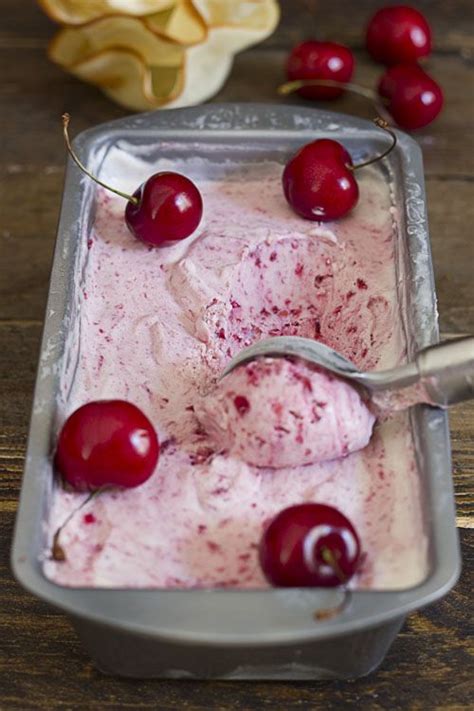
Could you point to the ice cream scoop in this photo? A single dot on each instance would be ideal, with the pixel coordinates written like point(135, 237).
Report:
point(277, 413)
point(440, 375)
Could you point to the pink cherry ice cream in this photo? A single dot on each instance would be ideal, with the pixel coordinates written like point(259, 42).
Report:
point(157, 326)
point(277, 413)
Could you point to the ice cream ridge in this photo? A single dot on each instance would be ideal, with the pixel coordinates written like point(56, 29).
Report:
point(171, 476)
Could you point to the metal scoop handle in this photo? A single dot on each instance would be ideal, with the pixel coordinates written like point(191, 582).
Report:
point(447, 370)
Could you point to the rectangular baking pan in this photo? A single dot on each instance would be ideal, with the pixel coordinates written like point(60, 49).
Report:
point(266, 634)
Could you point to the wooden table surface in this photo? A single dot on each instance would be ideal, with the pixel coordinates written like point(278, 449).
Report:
point(42, 666)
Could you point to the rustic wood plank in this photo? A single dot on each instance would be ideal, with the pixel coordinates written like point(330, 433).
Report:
point(461, 421)
point(31, 135)
point(345, 23)
point(451, 216)
point(27, 238)
point(18, 359)
point(299, 19)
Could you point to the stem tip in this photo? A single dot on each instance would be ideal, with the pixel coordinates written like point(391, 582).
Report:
point(57, 551)
point(381, 123)
point(66, 118)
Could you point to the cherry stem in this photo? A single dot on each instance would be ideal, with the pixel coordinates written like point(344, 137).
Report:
point(66, 118)
point(57, 551)
point(330, 559)
point(330, 612)
point(290, 86)
point(327, 613)
point(381, 103)
point(381, 123)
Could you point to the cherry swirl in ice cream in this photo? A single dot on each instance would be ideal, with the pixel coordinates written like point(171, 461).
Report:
point(156, 327)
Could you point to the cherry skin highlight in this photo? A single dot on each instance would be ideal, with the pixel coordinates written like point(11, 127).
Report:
point(106, 443)
point(317, 182)
point(309, 545)
point(415, 99)
point(398, 34)
point(168, 208)
point(320, 60)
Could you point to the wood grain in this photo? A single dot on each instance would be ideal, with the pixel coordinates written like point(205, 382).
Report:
point(430, 666)
point(300, 19)
point(42, 666)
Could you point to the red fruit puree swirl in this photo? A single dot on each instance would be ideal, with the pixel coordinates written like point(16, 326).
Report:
point(156, 327)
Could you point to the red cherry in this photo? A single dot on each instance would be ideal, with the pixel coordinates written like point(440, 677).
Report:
point(415, 99)
point(309, 545)
point(107, 442)
point(318, 183)
point(169, 208)
point(320, 60)
point(398, 34)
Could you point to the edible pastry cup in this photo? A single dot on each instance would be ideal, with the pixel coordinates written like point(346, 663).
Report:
point(232, 633)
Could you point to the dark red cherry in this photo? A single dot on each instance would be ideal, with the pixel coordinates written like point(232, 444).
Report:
point(398, 34)
point(415, 99)
point(107, 442)
point(320, 60)
point(309, 545)
point(169, 208)
point(318, 182)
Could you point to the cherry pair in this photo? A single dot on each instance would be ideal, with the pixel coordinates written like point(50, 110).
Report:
point(397, 36)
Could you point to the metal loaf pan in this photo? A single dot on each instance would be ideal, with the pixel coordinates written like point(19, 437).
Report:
point(270, 634)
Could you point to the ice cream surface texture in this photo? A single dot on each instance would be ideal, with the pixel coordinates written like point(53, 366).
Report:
point(280, 413)
point(157, 326)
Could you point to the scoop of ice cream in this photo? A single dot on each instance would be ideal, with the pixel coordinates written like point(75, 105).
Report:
point(276, 413)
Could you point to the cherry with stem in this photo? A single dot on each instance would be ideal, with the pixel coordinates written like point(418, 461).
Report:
point(319, 181)
point(309, 545)
point(104, 444)
point(164, 209)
